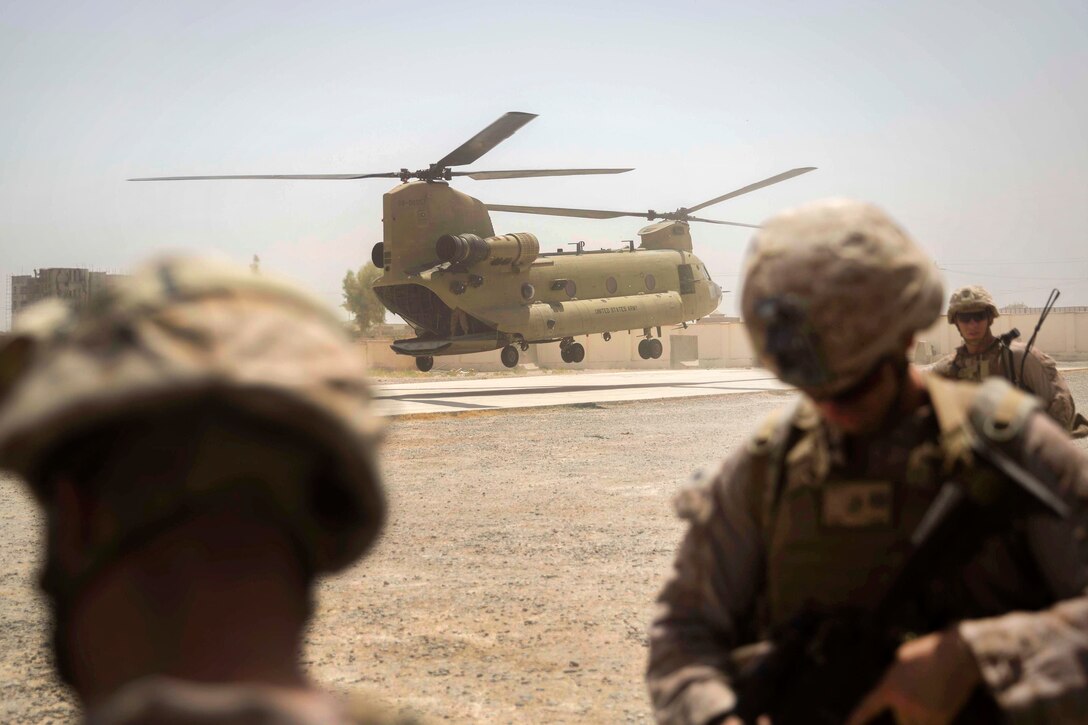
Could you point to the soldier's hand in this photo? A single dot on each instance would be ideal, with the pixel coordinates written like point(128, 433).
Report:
point(930, 681)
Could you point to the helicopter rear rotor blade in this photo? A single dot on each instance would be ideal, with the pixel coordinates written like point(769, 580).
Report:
point(560, 211)
point(752, 187)
point(600, 214)
point(389, 175)
point(486, 140)
point(527, 173)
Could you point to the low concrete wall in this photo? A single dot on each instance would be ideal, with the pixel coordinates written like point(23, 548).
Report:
point(726, 345)
point(1064, 335)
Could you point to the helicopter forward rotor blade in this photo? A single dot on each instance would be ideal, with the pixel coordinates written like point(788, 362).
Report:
point(560, 211)
point(486, 140)
point(716, 221)
point(752, 187)
point(526, 173)
point(389, 175)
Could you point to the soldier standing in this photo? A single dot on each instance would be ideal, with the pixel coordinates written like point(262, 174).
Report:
point(972, 311)
point(202, 446)
point(819, 512)
point(458, 322)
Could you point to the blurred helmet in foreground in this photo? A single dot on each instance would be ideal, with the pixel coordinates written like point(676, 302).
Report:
point(190, 384)
point(970, 299)
point(830, 289)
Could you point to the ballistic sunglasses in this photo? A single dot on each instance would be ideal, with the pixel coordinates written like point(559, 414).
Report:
point(978, 316)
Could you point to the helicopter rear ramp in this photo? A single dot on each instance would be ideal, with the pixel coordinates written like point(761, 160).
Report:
point(462, 345)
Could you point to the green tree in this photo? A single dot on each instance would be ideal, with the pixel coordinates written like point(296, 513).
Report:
point(359, 298)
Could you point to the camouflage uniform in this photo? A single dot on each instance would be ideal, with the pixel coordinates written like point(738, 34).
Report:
point(1038, 374)
point(805, 515)
point(281, 428)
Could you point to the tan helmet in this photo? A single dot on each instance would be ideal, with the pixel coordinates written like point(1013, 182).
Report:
point(970, 299)
point(832, 287)
point(184, 335)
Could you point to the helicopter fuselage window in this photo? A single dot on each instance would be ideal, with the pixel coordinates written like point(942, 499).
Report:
point(611, 285)
point(650, 282)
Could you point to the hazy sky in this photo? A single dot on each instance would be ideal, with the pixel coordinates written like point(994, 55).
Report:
point(966, 120)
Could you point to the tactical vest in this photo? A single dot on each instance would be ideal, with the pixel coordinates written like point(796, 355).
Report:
point(997, 360)
point(837, 538)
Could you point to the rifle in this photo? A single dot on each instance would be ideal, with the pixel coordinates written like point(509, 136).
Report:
point(1050, 300)
point(819, 665)
point(1005, 351)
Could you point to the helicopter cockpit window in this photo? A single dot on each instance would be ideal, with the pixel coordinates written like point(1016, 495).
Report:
point(611, 285)
point(572, 288)
point(650, 282)
point(687, 279)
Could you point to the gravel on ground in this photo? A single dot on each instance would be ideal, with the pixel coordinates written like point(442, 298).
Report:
point(516, 576)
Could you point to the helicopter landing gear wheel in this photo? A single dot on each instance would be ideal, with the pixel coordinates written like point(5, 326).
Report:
point(424, 363)
point(576, 352)
point(565, 347)
point(649, 349)
point(509, 356)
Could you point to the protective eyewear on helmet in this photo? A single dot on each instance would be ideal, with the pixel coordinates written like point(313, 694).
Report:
point(977, 316)
point(791, 342)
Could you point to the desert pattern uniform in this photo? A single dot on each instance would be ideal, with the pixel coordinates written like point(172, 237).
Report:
point(803, 517)
point(750, 562)
point(192, 335)
point(1038, 374)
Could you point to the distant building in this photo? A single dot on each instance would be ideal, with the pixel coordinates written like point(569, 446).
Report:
point(75, 285)
point(1019, 308)
point(390, 330)
point(717, 318)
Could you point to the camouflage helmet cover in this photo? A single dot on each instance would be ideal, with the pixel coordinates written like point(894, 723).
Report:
point(832, 287)
point(183, 329)
point(970, 299)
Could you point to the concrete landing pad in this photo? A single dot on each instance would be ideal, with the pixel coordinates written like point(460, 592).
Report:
point(567, 389)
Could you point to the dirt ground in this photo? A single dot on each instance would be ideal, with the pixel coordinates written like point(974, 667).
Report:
point(516, 577)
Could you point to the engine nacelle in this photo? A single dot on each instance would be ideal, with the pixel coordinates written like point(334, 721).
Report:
point(518, 249)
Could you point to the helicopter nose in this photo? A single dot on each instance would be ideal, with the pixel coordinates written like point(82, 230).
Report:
point(716, 292)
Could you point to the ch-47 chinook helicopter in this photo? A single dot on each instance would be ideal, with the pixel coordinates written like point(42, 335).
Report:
point(464, 289)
